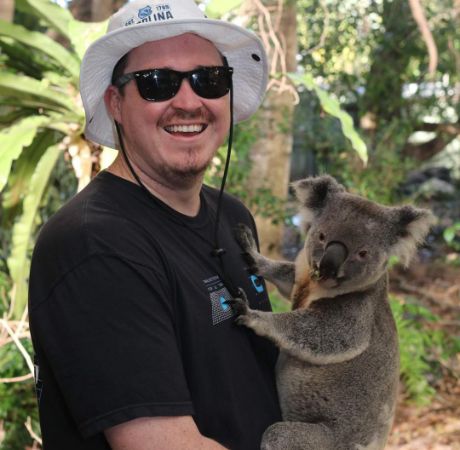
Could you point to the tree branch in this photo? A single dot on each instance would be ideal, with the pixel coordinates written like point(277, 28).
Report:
point(427, 36)
point(447, 128)
point(423, 152)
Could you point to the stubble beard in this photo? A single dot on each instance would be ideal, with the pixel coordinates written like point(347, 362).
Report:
point(183, 177)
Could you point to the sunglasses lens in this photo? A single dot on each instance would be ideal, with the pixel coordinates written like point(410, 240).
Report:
point(158, 85)
point(211, 82)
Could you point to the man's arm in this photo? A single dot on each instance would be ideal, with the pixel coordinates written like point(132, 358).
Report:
point(159, 433)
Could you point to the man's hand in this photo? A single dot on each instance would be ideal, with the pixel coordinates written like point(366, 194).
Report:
point(159, 433)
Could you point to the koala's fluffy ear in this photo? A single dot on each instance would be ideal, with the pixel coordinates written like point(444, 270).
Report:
point(313, 191)
point(412, 226)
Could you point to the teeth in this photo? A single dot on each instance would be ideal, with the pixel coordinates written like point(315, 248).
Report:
point(185, 128)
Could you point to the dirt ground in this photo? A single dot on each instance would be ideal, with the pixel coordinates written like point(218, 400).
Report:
point(436, 426)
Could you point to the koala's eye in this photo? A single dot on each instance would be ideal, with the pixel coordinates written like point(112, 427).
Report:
point(321, 237)
point(362, 254)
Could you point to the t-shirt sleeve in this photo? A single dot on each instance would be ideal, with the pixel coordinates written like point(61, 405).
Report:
point(109, 333)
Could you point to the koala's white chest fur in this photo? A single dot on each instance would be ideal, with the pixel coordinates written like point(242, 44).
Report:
point(301, 292)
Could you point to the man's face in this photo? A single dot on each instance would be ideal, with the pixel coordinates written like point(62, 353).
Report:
point(173, 141)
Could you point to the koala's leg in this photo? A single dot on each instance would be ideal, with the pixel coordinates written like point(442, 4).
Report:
point(298, 436)
point(280, 273)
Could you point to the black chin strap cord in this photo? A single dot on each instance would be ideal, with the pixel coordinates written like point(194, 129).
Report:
point(218, 251)
point(125, 157)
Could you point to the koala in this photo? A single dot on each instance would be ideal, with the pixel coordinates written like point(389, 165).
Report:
point(338, 367)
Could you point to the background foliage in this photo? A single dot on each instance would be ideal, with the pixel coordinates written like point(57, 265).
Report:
point(369, 113)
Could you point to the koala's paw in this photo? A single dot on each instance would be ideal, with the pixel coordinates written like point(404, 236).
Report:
point(248, 244)
point(241, 307)
point(239, 304)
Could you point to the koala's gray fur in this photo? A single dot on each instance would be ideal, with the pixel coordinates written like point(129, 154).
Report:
point(338, 369)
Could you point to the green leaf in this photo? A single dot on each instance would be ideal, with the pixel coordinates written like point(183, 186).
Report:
point(332, 107)
point(19, 261)
point(305, 79)
point(12, 115)
point(29, 90)
point(217, 8)
point(14, 139)
point(21, 59)
point(26, 103)
point(82, 34)
point(449, 234)
point(42, 43)
point(19, 179)
point(52, 14)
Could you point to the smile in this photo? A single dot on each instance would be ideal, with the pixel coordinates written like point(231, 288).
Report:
point(193, 128)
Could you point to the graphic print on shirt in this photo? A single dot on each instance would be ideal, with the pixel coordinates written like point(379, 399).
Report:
point(218, 295)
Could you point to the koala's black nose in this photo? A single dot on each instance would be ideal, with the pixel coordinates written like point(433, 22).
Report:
point(334, 256)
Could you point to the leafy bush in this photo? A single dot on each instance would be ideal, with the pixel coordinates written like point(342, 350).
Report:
point(422, 348)
point(451, 236)
point(279, 304)
point(18, 399)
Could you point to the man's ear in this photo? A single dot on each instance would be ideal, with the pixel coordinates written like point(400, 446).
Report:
point(112, 99)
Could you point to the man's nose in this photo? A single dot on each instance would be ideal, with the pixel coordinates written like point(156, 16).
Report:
point(186, 98)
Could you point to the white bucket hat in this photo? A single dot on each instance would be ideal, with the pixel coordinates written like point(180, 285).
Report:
point(149, 20)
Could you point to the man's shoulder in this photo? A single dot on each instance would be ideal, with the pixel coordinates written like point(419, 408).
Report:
point(229, 201)
point(93, 221)
point(95, 225)
point(72, 218)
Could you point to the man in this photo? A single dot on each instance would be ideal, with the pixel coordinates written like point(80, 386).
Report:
point(136, 346)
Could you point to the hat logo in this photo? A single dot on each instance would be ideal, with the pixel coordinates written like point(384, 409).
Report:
point(148, 14)
point(145, 12)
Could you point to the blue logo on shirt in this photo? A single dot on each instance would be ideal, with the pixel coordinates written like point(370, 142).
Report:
point(257, 283)
point(223, 303)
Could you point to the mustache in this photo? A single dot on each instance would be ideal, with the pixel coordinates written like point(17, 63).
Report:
point(200, 115)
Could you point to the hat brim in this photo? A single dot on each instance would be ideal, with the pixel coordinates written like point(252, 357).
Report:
point(242, 48)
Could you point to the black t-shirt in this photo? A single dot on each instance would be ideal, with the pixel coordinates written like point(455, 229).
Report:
point(129, 319)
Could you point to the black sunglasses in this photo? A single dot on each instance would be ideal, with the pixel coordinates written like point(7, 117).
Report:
point(157, 85)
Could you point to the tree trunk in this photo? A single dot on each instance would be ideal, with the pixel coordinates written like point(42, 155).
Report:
point(271, 154)
point(7, 10)
point(454, 50)
point(94, 10)
point(81, 9)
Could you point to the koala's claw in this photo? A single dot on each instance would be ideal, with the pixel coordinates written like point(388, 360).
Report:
point(244, 237)
point(252, 266)
point(239, 304)
point(248, 245)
